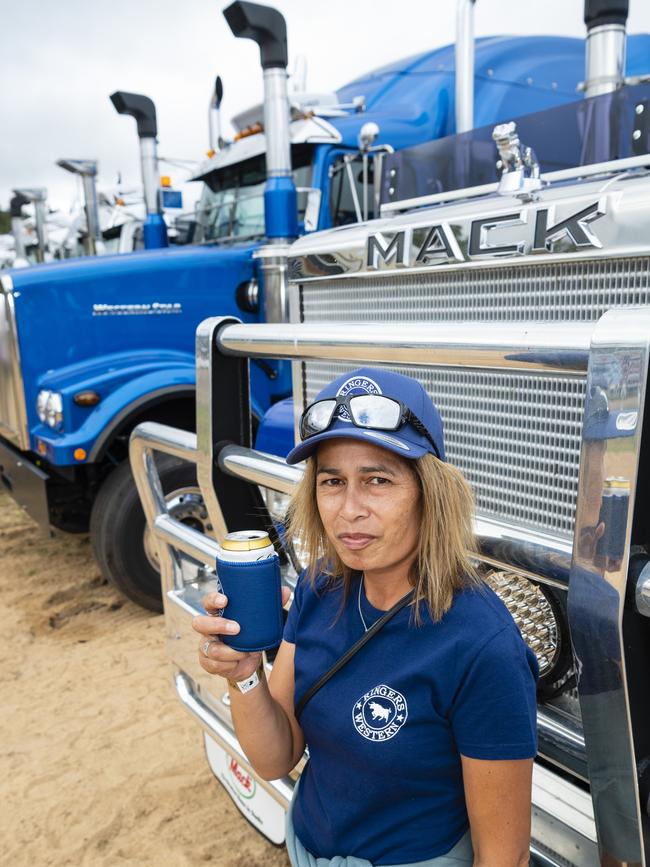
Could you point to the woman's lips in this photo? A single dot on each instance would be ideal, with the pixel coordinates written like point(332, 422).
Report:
point(355, 541)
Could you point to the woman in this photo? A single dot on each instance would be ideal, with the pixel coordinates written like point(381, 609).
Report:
point(421, 746)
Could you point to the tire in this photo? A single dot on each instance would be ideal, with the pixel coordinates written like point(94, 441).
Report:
point(120, 539)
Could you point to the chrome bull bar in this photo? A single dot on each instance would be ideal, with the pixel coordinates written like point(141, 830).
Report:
point(614, 355)
point(200, 694)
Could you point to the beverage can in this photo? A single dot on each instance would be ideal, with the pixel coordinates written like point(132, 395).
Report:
point(246, 546)
point(613, 514)
point(248, 571)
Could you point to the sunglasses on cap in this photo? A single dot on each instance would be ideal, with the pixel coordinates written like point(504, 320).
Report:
point(372, 411)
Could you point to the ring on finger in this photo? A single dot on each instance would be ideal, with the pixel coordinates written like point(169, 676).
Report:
point(206, 647)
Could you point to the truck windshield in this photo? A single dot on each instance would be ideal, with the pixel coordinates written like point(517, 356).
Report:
point(232, 202)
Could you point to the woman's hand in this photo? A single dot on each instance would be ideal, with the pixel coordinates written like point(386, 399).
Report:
point(214, 656)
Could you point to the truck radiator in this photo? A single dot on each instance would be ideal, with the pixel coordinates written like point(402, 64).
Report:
point(521, 458)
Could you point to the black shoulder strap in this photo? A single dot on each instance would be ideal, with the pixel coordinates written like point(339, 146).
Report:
point(347, 656)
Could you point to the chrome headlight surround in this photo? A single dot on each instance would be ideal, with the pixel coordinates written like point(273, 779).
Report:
point(49, 407)
point(41, 403)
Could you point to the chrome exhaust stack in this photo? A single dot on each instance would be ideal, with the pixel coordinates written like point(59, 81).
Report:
point(16, 210)
point(605, 50)
point(87, 169)
point(267, 27)
point(143, 110)
point(464, 65)
point(37, 196)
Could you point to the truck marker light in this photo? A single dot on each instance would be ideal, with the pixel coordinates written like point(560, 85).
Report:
point(532, 613)
point(79, 454)
point(41, 447)
point(86, 398)
point(165, 181)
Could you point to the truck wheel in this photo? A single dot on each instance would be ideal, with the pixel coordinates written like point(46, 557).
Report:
point(120, 538)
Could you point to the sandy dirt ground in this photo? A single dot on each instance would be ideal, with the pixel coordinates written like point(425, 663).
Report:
point(99, 764)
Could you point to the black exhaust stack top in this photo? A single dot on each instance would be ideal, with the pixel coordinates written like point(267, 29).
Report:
point(263, 25)
point(18, 201)
point(140, 107)
point(218, 92)
point(214, 116)
point(599, 12)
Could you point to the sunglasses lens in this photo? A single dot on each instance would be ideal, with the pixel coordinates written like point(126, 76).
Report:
point(317, 418)
point(373, 410)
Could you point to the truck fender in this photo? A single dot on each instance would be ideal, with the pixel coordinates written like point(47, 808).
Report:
point(146, 393)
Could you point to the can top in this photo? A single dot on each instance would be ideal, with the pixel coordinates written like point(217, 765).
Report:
point(617, 483)
point(246, 540)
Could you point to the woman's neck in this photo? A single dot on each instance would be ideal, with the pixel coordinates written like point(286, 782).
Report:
point(384, 590)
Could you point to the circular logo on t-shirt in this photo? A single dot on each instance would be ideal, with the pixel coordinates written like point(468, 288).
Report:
point(380, 713)
point(356, 385)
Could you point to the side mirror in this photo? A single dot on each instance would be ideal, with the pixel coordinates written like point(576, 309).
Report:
point(367, 136)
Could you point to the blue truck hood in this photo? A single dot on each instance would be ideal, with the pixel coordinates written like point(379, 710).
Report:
point(69, 313)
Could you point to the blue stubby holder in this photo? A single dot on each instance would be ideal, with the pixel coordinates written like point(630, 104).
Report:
point(254, 601)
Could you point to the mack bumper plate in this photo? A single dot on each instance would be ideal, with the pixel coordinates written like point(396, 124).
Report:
point(261, 810)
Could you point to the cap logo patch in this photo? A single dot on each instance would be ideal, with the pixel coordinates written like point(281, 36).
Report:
point(626, 420)
point(355, 385)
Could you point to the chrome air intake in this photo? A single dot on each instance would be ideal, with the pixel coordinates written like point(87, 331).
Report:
point(522, 462)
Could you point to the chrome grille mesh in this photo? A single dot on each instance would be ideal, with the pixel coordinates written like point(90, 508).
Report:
point(516, 436)
point(10, 418)
point(521, 459)
point(553, 291)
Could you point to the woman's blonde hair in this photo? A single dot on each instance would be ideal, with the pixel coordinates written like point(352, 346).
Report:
point(446, 547)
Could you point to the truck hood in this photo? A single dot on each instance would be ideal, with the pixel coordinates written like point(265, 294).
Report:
point(71, 313)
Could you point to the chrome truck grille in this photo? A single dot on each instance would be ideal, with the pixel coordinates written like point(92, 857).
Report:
point(521, 459)
point(13, 424)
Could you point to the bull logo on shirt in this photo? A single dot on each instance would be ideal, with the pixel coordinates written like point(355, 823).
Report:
point(380, 713)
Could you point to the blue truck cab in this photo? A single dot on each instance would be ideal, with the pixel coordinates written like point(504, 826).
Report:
point(89, 348)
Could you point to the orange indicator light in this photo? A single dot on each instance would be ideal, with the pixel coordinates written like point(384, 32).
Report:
point(79, 454)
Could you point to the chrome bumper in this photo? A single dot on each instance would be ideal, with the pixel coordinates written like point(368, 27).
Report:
point(26, 483)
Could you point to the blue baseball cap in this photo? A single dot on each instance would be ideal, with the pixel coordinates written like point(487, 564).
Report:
point(405, 441)
point(601, 423)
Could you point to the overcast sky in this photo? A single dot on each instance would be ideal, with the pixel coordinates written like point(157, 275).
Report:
point(60, 61)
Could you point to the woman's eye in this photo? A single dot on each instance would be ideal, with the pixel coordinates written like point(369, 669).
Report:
point(330, 483)
point(379, 480)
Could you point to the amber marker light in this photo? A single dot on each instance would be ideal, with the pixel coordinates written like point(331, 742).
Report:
point(165, 181)
point(41, 447)
point(79, 454)
point(86, 398)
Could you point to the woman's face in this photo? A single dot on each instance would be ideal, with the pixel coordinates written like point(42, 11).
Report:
point(369, 502)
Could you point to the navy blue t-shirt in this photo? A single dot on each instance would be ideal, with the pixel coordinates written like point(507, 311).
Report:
point(385, 734)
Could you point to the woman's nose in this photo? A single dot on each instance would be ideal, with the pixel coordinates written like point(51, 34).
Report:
point(353, 505)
